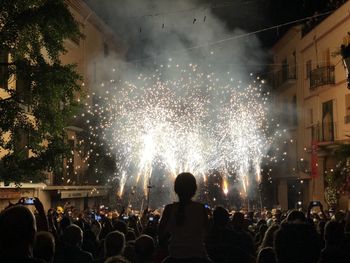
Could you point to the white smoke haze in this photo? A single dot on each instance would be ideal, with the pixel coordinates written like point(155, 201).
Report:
point(181, 101)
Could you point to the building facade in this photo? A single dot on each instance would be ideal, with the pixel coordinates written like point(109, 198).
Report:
point(310, 87)
point(99, 43)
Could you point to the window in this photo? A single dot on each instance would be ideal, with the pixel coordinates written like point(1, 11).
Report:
point(284, 69)
point(347, 108)
point(76, 39)
point(347, 104)
point(311, 116)
point(105, 49)
point(327, 121)
point(294, 111)
point(308, 68)
point(326, 57)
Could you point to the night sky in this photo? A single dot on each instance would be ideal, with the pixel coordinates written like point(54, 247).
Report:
point(248, 15)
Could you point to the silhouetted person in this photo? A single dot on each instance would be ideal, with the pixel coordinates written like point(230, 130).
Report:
point(96, 229)
point(144, 249)
point(259, 236)
point(44, 247)
point(223, 244)
point(246, 242)
point(70, 251)
point(184, 223)
point(17, 234)
point(296, 216)
point(266, 255)
point(120, 226)
point(114, 244)
point(90, 243)
point(336, 249)
point(130, 236)
point(297, 243)
point(268, 237)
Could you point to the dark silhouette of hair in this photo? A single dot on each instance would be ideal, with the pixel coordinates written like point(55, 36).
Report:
point(268, 237)
point(73, 235)
point(296, 215)
point(260, 234)
point(64, 223)
point(130, 235)
point(238, 220)
point(334, 233)
point(17, 232)
point(221, 216)
point(120, 226)
point(144, 248)
point(320, 227)
point(297, 243)
point(114, 243)
point(44, 247)
point(185, 187)
point(266, 255)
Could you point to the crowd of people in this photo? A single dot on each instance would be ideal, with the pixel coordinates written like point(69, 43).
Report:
point(185, 231)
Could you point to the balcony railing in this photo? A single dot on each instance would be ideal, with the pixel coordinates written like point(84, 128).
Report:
point(282, 76)
point(325, 132)
point(322, 76)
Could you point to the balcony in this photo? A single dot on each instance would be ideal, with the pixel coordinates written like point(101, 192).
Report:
point(325, 132)
point(321, 76)
point(284, 77)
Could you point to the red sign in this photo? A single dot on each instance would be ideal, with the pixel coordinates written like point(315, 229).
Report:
point(314, 170)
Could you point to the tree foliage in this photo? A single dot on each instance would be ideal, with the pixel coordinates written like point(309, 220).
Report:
point(37, 110)
point(338, 179)
point(341, 178)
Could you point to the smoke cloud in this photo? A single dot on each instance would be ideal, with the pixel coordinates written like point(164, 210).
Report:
point(181, 99)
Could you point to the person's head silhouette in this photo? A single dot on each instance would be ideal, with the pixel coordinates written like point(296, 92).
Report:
point(297, 243)
point(185, 186)
point(144, 248)
point(73, 236)
point(17, 232)
point(114, 243)
point(220, 216)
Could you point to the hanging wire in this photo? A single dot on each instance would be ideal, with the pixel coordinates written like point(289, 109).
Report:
point(213, 43)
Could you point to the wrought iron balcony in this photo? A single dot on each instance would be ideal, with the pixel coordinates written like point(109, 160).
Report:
point(322, 76)
point(325, 132)
point(283, 76)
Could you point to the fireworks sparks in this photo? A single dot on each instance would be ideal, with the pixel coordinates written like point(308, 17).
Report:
point(183, 118)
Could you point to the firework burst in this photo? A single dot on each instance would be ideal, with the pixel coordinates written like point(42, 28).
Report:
point(183, 118)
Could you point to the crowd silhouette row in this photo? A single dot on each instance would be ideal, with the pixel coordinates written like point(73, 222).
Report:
point(186, 231)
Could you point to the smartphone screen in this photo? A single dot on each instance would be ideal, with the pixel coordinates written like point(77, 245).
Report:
point(29, 201)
